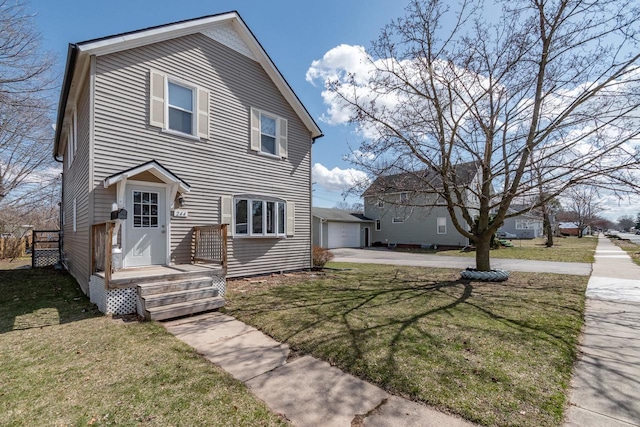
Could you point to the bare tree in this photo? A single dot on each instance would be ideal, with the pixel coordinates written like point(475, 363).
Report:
point(350, 207)
point(537, 94)
point(583, 202)
point(26, 85)
point(626, 222)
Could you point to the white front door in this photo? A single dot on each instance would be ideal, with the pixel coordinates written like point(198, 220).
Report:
point(145, 229)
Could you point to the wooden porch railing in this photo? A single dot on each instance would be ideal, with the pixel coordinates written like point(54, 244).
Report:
point(209, 244)
point(101, 241)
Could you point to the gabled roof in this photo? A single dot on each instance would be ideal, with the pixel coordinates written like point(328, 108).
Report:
point(339, 215)
point(153, 167)
point(79, 54)
point(421, 181)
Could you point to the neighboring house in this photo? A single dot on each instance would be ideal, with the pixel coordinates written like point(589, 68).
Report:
point(405, 212)
point(528, 225)
point(180, 144)
point(572, 229)
point(336, 228)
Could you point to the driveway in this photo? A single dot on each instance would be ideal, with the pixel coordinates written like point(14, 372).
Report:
point(635, 238)
point(386, 256)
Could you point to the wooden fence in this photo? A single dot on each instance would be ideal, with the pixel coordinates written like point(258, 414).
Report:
point(45, 248)
point(14, 247)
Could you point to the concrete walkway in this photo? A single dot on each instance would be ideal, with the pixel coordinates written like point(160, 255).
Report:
point(606, 380)
point(305, 390)
point(309, 392)
point(385, 256)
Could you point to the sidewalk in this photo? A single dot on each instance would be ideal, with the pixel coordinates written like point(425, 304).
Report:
point(305, 390)
point(606, 380)
point(385, 256)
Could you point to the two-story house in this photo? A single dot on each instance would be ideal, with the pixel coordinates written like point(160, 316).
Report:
point(408, 210)
point(186, 159)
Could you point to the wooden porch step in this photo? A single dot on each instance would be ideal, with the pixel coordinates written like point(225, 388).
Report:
point(184, 308)
point(168, 298)
point(167, 286)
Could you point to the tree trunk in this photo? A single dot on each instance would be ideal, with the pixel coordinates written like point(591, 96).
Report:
point(483, 246)
point(548, 230)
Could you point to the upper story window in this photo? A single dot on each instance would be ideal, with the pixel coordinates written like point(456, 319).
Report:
point(180, 106)
point(268, 133)
point(397, 220)
point(403, 198)
point(442, 225)
point(378, 227)
point(380, 204)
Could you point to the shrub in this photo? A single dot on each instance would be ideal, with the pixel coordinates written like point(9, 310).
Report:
point(321, 256)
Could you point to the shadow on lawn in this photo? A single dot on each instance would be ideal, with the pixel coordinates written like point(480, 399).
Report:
point(385, 314)
point(34, 298)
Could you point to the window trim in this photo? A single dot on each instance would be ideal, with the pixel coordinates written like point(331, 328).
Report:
point(194, 107)
point(276, 218)
point(281, 134)
point(438, 225)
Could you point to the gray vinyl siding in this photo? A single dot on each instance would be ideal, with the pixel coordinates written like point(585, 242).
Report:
point(220, 166)
point(76, 186)
point(419, 226)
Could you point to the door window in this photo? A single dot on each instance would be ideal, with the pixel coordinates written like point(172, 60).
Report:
point(145, 209)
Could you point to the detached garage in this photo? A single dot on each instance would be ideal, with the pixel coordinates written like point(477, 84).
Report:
point(335, 228)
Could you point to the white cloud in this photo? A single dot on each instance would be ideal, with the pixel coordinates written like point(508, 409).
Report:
point(338, 63)
point(337, 179)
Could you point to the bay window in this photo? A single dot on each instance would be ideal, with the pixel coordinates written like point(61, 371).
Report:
point(265, 217)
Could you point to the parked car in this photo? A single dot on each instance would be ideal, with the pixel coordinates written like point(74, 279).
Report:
point(505, 235)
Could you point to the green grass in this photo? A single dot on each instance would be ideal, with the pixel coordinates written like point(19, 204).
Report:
point(62, 363)
point(496, 354)
point(631, 248)
point(565, 249)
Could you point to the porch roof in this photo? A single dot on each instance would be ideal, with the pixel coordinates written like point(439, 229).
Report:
point(153, 167)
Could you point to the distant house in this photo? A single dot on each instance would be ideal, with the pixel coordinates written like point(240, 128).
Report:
point(529, 225)
point(406, 211)
point(336, 228)
point(572, 229)
point(186, 159)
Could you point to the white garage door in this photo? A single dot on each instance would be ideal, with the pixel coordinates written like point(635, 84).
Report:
point(344, 235)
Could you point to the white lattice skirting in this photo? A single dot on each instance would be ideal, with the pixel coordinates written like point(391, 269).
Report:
point(114, 301)
point(220, 283)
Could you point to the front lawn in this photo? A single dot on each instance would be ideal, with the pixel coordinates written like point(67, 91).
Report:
point(565, 249)
point(63, 363)
point(629, 247)
point(494, 353)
